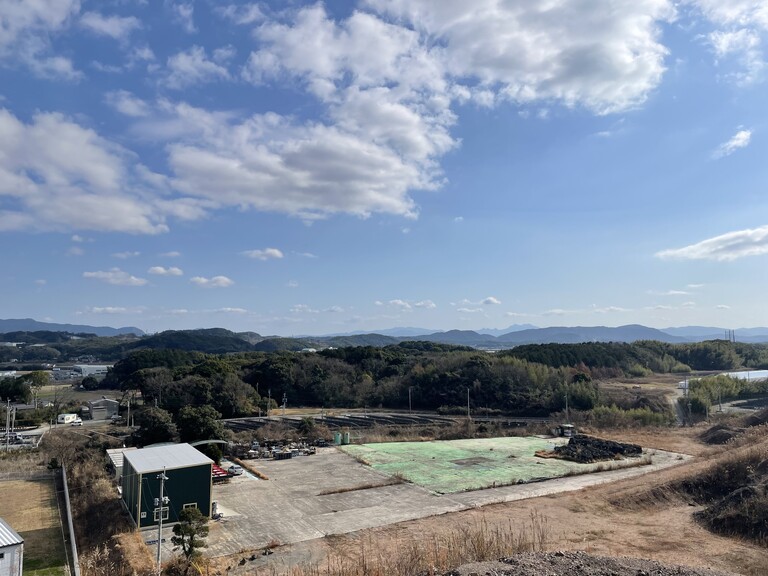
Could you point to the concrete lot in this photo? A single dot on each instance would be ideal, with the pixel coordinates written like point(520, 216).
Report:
point(289, 507)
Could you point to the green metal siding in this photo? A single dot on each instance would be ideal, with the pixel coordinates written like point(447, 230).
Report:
point(184, 486)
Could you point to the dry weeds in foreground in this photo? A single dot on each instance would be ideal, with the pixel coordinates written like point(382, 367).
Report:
point(436, 553)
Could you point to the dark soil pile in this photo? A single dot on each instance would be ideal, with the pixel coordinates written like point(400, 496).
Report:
point(577, 564)
point(585, 449)
point(757, 419)
point(719, 434)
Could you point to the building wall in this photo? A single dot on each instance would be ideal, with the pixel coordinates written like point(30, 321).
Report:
point(190, 485)
point(11, 560)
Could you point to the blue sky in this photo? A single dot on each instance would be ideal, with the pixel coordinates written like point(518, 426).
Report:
point(308, 168)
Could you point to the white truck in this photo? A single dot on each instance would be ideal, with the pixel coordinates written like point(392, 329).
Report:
point(67, 418)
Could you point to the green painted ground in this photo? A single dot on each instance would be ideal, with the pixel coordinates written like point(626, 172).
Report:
point(446, 467)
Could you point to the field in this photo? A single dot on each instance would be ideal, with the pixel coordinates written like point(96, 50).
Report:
point(29, 506)
point(448, 467)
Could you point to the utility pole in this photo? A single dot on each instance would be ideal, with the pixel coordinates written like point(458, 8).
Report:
point(160, 506)
point(7, 424)
point(285, 401)
point(410, 402)
point(468, 416)
point(269, 402)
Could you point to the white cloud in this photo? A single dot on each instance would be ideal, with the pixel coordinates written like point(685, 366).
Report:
point(125, 255)
point(78, 238)
point(75, 251)
point(62, 176)
point(26, 28)
point(116, 277)
point(723, 307)
point(41, 282)
point(172, 254)
point(265, 254)
point(117, 27)
point(668, 292)
point(739, 140)
point(740, 27)
point(469, 310)
point(305, 254)
point(126, 103)
point(228, 310)
point(215, 282)
point(178, 311)
point(428, 304)
point(401, 304)
point(459, 219)
point(161, 271)
point(334, 309)
point(192, 67)
point(577, 53)
point(490, 301)
point(726, 247)
point(184, 15)
point(292, 284)
point(246, 14)
point(302, 309)
point(107, 310)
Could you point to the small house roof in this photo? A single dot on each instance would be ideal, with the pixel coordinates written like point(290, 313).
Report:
point(115, 455)
point(169, 457)
point(8, 536)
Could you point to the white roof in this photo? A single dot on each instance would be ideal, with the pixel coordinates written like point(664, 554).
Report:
point(169, 457)
point(116, 455)
point(8, 536)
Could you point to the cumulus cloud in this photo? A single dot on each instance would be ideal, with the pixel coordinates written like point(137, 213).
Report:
point(668, 292)
point(490, 300)
point(161, 271)
point(126, 103)
point(229, 310)
point(401, 304)
point(125, 255)
point(265, 254)
point(215, 282)
point(726, 247)
point(116, 276)
point(58, 175)
point(577, 53)
point(428, 304)
point(191, 67)
point(172, 254)
point(25, 36)
point(469, 310)
point(739, 140)
point(117, 27)
point(723, 307)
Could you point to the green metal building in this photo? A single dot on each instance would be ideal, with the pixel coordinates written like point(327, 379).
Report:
point(189, 482)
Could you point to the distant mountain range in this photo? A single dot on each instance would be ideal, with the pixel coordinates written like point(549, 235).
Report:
point(30, 325)
point(224, 340)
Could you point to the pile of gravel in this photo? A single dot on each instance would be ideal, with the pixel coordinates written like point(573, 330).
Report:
point(577, 564)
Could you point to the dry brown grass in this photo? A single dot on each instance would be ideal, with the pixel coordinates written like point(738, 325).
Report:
point(477, 541)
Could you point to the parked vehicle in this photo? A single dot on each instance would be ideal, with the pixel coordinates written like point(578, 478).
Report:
point(235, 470)
point(67, 418)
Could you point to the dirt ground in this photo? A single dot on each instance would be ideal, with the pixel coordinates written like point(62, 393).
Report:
point(591, 520)
point(35, 517)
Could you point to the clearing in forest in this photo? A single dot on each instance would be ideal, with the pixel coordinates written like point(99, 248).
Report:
point(451, 466)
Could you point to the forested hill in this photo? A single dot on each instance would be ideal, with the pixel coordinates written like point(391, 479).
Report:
point(647, 354)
